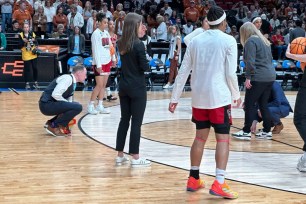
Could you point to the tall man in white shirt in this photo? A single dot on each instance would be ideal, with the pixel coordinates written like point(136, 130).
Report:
point(57, 100)
point(212, 57)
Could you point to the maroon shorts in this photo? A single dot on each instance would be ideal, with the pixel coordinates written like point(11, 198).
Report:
point(219, 118)
point(106, 68)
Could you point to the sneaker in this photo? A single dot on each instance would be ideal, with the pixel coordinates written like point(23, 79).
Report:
point(91, 109)
point(167, 86)
point(242, 135)
point(194, 184)
point(301, 166)
point(55, 131)
point(264, 135)
point(222, 190)
point(27, 86)
point(111, 98)
point(35, 86)
point(65, 130)
point(48, 123)
point(102, 110)
point(278, 128)
point(141, 162)
point(121, 160)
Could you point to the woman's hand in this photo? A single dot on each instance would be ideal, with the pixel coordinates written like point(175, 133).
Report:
point(248, 84)
point(25, 40)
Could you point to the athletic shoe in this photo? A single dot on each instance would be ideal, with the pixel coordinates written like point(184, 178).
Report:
point(48, 123)
point(194, 184)
point(91, 109)
point(242, 135)
point(121, 160)
point(65, 130)
point(301, 166)
point(102, 110)
point(27, 86)
point(35, 86)
point(55, 131)
point(278, 128)
point(167, 86)
point(222, 190)
point(111, 98)
point(141, 162)
point(264, 135)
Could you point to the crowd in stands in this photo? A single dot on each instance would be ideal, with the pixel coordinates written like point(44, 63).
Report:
point(281, 20)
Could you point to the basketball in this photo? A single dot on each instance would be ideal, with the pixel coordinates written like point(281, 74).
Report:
point(298, 46)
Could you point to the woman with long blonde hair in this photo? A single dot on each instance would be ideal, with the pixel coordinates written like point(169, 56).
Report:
point(260, 75)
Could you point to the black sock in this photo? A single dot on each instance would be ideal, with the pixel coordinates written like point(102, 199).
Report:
point(194, 173)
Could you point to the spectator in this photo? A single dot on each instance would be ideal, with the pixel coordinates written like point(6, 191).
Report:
point(128, 6)
point(6, 13)
point(78, 7)
point(168, 9)
point(28, 44)
point(39, 22)
point(248, 17)
point(279, 43)
point(27, 7)
point(60, 18)
point(108, 14)
point(65, 6)
point(274, 22)
point(49, 12)
point(37, 3)
point(15, 27)
point(191, 13)
point(119, 24)
point(294, 15)
point(87, 13)
point(161, 31)
point(2, 40)
point(119, 8)
point(173, 17)
point(187, 28)
point(60, 32)
point(253, 11)
point(266, 28)
point(76, 43)
point(74, 19)
point(289, 9)
point(241, 10)
point(22, 15)
point(297, 31)
point(234, 33)
point(281, 12)
point(91, 24)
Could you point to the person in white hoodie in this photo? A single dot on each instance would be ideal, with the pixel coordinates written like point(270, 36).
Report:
point(212, 57)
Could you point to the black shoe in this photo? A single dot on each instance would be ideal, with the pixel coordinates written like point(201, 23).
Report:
point(111, 98)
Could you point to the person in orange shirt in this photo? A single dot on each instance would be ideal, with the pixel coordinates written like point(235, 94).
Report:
point(191, 13)
point(28, 6)
point(22, 15)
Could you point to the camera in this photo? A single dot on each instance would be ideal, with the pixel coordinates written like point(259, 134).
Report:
point(36, 51)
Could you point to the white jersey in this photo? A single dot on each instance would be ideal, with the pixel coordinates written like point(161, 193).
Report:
point(212, 57)
point(100, 44)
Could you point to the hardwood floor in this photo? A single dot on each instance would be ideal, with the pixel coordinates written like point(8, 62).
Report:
point(38, 168)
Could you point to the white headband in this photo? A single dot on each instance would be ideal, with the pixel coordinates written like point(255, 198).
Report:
point(255, 19)
point(218, 21)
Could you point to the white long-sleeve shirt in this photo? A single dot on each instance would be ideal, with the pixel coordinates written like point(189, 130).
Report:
point(212, 57)
point(49, 13)
point(100, 43)
point(78, 20)
point(62, 84)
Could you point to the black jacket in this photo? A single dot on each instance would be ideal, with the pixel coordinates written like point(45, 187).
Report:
point(81, 44)
point(134, 65)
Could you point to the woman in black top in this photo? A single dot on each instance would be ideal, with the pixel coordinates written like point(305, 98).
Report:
point(132, 88)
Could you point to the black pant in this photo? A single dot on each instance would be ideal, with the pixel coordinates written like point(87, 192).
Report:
point(66, 110)
point(300, 114)
point(28, 65)
point(132, 104)
point(259, 94)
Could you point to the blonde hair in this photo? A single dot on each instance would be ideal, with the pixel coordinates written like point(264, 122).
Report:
point(160, 19)
point(247, 30)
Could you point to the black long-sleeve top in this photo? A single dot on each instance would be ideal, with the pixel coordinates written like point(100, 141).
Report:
point(133, 66)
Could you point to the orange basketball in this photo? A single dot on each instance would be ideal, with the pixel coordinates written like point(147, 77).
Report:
point(298, 46)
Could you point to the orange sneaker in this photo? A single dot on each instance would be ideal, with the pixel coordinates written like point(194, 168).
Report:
point(194, 184)
point(222, 190)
